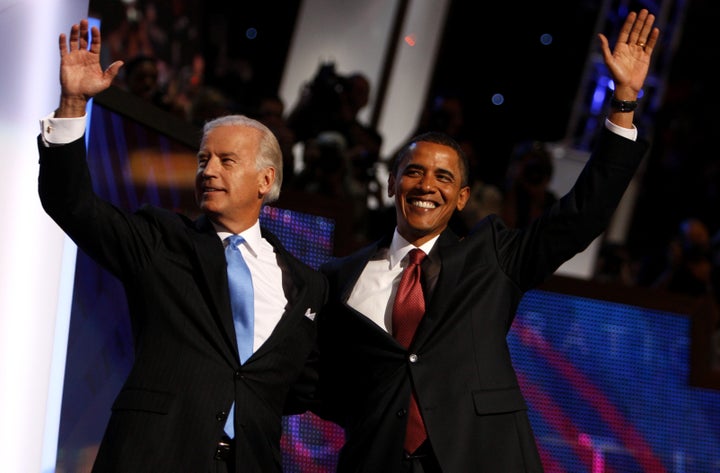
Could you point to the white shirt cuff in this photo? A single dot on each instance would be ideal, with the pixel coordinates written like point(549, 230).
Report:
point(629, 133)
point(60, 131)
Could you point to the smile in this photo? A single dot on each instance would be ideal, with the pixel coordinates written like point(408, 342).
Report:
point(422, 204)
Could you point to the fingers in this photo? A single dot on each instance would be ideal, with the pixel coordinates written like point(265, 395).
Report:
point(113, 69)
point(79, 38)
point(63, 45)
point(646, 27)
point(83, 40)
point(95, 40)
point(638, 31)
point(605, 47)
point(74, 34)
point(637, 27)
point(642, 32)
point(636, 35)
point(624, 35)
point(652, 39)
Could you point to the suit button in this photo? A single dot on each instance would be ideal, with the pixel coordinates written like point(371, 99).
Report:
point(221, 416)
point(401, 413)
point(238, 375)
point(413, 358)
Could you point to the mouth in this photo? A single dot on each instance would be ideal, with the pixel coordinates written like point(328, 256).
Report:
point(209, 190)
point(423, 204)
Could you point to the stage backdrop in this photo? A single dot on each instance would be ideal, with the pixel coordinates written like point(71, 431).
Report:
point(606, 382)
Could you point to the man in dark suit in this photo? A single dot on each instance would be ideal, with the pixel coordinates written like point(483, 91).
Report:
point(172, 414)
point(457, 369)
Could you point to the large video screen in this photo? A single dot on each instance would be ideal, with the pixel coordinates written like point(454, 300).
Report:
point(607, 386)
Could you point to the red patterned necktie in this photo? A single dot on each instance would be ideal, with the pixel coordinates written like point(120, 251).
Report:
point(408, 310)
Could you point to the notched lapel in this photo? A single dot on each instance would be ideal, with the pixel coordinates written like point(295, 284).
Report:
point(297, 300)
point(210, 259)
point(351, 271)
point(452, 260)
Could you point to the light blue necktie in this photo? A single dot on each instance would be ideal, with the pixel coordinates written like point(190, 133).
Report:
point(242, 302)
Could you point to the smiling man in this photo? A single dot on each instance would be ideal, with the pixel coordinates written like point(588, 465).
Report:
point(444, 397)
point(429, 180)
point(207, 388)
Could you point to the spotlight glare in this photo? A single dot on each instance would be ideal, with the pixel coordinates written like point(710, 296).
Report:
point(498, 99)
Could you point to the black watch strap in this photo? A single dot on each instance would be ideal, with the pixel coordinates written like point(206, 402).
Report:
point(623, 105)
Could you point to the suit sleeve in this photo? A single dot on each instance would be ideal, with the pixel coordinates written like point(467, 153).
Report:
point(117, 239)
point(530, 255)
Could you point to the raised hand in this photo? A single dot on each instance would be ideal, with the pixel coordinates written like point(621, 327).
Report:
point(629, 61)
point(81, 76)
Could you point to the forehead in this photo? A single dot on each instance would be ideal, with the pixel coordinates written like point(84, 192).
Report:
point(428, 154)
point(231, 136)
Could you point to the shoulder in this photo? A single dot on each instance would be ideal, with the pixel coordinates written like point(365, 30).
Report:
point(360, 256)
point(168, 217)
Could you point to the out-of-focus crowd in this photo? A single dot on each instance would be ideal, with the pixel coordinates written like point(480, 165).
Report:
point(674, 240)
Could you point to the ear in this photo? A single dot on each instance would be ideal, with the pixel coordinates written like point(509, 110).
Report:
point(391, 185)
point(463, 197)
point(266, 178)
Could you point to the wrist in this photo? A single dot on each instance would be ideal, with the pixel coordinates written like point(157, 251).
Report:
point(72, 106)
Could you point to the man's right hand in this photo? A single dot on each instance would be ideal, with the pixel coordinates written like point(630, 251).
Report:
point(81, 76)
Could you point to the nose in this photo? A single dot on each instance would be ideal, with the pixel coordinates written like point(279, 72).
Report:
point(425, 183)
point(209, 168)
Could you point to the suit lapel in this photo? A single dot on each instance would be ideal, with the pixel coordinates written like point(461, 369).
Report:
point(211, 261)
point(452, 261)
point(351, 271)
point(296, 298)
point(347, 277)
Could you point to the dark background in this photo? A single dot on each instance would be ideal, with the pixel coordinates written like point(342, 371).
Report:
point(493, 47)
point(499, 51)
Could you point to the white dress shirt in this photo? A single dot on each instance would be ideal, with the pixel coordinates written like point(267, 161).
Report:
point(374, 292)
point(267, 278)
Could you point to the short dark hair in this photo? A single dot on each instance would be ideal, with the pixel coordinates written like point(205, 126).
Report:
point(438, 138)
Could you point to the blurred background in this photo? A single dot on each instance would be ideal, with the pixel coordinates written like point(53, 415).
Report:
point(512, 82)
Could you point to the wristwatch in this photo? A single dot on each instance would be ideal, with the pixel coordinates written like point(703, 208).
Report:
point(623, 105)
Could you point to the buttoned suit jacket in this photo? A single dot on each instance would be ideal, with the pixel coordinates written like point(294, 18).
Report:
point(171, 410)
point(459, 361)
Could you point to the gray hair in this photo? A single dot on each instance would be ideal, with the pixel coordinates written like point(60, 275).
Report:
point(270, 155)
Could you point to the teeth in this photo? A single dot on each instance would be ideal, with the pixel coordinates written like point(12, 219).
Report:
point(424, 204)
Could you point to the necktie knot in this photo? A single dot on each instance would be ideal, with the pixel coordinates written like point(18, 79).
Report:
point(235, 241)
point(416, 256)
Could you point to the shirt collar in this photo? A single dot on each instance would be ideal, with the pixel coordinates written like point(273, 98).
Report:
point(399, 247)
point(252, 236)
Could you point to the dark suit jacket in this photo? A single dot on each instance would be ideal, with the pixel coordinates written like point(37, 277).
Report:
point(172, 408)
point(466, 386)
